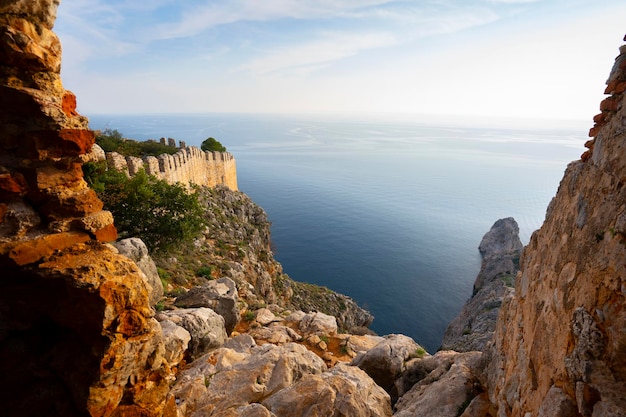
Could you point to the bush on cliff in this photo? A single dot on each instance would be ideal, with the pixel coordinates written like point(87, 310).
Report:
point(110, 140)
point(212, 145)
point(143, 206)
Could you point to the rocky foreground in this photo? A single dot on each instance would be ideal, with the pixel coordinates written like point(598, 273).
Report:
point(86, 328)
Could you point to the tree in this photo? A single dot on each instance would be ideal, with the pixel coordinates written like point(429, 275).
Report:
point(212, 145)
point(143, 206)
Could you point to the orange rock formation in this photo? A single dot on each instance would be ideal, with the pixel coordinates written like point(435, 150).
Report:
point(77, 333)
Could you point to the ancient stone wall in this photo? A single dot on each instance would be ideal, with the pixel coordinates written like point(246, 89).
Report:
point(188, 165)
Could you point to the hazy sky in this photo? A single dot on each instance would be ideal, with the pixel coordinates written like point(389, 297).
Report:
point(521, 58)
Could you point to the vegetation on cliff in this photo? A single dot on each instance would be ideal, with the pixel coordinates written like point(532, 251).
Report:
point(143, 206)
point(111, 140)
point(212, 145)
point(210, 233)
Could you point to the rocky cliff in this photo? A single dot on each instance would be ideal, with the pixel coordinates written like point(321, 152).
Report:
point(560, 343)
point(77, 333)
point(473, 328)
point(79, 336)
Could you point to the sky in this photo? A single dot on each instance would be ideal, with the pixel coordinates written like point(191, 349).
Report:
point(544, 59)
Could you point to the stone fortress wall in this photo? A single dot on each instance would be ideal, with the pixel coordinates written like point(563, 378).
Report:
point(188, 165)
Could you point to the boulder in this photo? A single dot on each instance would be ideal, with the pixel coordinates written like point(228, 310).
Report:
point(342, 391)
point(176, 340)
point(363, 343)
point(136, 250)
point(219, 295)
point(446, 384)
point(225, 381)
point(319, 323)
point(242, 343)
point(205, 326)
point(387, 360)
point(264, 316)
point(275, 334)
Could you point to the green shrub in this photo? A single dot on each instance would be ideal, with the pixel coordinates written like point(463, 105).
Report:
point(212, 145)
point(205, 271)
point(143, 206)
point(113, 141)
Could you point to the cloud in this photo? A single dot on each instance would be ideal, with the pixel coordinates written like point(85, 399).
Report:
point(199, 18)
point(318, 53)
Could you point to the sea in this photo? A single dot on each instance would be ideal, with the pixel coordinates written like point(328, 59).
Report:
point(387, 209)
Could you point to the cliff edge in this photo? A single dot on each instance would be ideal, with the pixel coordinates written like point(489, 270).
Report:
point(560, 343)
point(77, 334)
point(82, 338)
point(473, 328)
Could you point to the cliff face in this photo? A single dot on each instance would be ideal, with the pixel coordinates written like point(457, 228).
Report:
point(79, 337)
point(76, 329)
point(473, 328)
point(560, 343)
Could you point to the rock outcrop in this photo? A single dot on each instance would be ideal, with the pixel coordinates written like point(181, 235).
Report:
point(560, 342)
point(243, 379)
point(473, 328)
point(77, 332)
point(136, 250)
point(79, 337)
point(219, 295)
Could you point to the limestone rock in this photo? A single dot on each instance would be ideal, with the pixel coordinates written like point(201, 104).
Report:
point(446, 382)
point(176, 341)
point(344, 390)
point(386, 362)
point(318, 323)
point(501, 239)
point(264, 316)
point(226, 380)
point(204, 325)
point(76, 320)
point(275, 334)
point(363, 343)
point(311, 298)
point(560, 339)
point(135, 249)
point(473, 328)
point(219, 295)
point(81, 336)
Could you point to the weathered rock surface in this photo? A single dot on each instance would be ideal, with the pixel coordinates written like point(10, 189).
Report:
point(78, 335)
point(310, 298)
point(560, 340)
point(175, 341)
point(218, 295)
point(205, 326)
point(344, 391)
point(318, 323)
point(473, 328)
point(137, 251)
point(225, 379)
point(442, 385)
point(386, 362)
point(281, 381)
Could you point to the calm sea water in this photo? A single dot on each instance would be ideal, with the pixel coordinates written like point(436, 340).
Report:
point(387, 210)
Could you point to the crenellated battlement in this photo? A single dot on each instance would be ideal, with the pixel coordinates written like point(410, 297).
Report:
point(188, 165)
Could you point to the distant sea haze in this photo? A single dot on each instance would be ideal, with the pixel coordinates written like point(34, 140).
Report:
point(388, 210)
